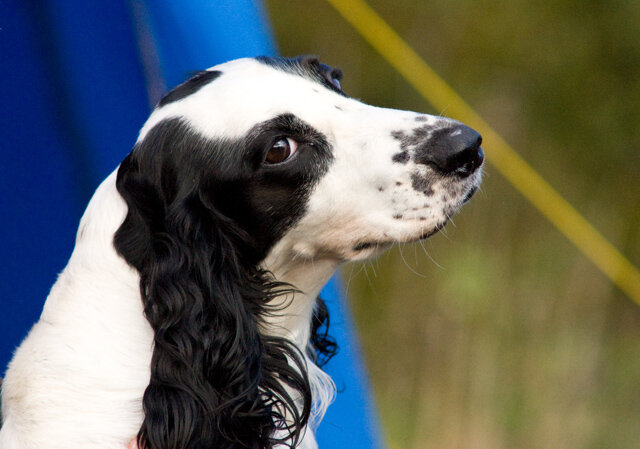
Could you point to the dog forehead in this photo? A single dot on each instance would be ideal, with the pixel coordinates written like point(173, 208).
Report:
point(246, 92)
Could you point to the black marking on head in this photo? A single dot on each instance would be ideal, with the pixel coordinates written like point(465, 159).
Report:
point(262, 200)
point(201, 215)
point(309, 67)
point(338, 108)
point(191, 86)
point(397, 216)
point(422, 184)
point(421, 118)
point(398, 183)
point(417, 136)
point(380, 189)
point(398, 135)
point(402, 157)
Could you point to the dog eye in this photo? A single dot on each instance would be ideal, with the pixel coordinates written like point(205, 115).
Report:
point(282, 150)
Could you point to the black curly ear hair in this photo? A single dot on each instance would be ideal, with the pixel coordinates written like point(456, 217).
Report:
point(322, 345)
point(216, 380)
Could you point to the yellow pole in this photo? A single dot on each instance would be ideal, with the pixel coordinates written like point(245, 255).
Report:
point(499, 153)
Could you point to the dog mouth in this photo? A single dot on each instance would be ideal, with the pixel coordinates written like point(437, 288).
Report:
point(432, 232)
point(377, 246)
point(468, 196)
point(382, 245)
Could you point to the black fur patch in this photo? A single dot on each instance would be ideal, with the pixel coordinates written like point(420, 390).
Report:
point(422, 184)
point(202, 215)
point(415, 137)
point(309, 67)
point(262, 200)
point(189, 87)
point(402, 157)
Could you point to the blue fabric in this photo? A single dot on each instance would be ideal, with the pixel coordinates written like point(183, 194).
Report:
point(196, 34)
point(351, 422)
point(78, 79)
point(73, 98)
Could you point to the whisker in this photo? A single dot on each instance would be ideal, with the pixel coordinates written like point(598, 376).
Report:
point(429, 256)
point(408, 266)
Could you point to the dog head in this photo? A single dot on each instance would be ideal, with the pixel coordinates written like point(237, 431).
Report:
point(239, 171)
point(282, 150)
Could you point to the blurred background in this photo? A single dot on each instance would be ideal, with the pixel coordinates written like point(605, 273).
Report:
point(495, 333)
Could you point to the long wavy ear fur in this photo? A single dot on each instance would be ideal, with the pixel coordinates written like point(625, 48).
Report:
point(216, 381)
point(322, 346)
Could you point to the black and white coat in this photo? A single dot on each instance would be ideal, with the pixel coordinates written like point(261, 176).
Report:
point(187, 316)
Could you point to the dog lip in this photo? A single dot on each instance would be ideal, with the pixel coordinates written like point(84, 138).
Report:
point(383, 244)
point(468, 196)
point(433, 231)
point(362, 246)
point(379, 245)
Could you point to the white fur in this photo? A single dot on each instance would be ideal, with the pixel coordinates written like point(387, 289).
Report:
point(78, 378)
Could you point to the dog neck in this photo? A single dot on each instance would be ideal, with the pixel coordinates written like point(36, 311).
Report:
point(293, 321)
point(308, 275)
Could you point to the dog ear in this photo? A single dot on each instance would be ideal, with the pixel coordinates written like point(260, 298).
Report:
point(216, 380)
point(322, 346)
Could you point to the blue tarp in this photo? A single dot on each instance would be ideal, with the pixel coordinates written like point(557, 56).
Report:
point(77, 81)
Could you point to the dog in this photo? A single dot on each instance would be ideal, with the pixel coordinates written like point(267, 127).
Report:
point(188, 315)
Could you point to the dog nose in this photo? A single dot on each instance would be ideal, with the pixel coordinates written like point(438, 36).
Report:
point(454, 150)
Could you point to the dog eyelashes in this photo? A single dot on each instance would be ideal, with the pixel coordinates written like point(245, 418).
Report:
point(281, 150)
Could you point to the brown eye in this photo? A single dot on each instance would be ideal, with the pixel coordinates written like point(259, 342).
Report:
point(281, 150)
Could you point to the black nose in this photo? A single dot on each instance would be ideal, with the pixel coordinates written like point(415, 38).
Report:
point(452, 151)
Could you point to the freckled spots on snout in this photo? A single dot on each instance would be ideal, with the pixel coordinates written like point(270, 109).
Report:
point(415, 137)
point(422, 184)
point(402, 157)
point(398, 135)
point(397, 216)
